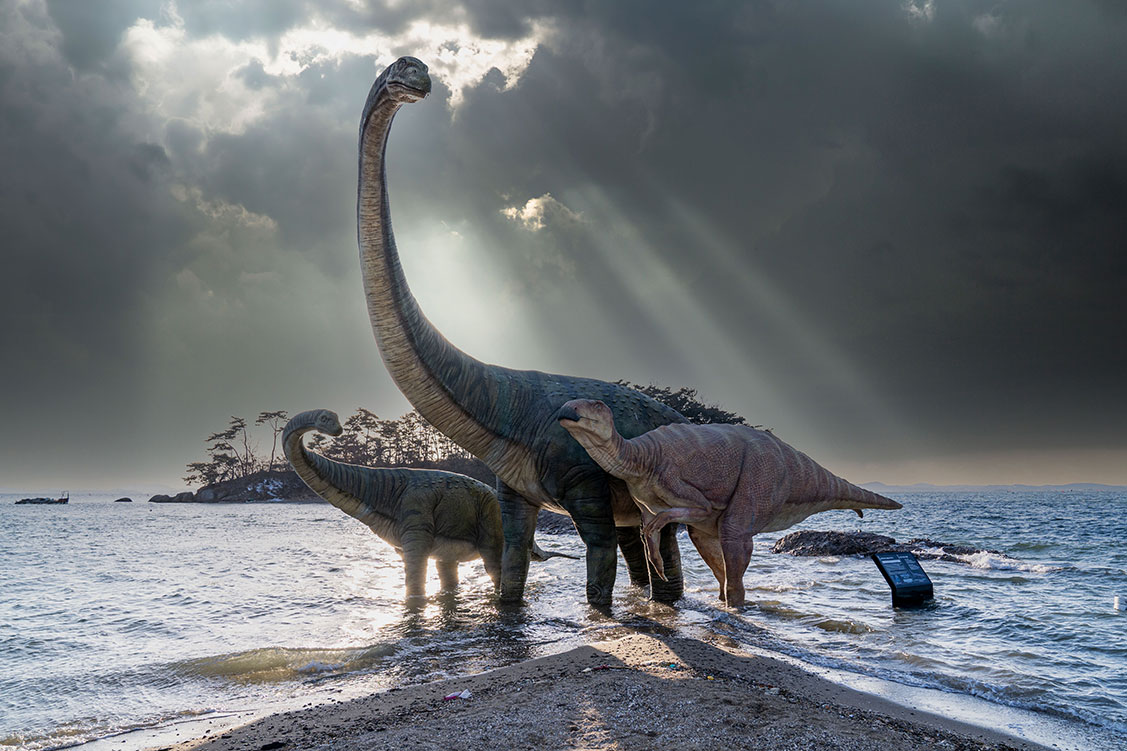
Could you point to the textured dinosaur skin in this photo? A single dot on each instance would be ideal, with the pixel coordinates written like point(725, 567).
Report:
point(726, 482)
point(504, 417)
point(422, 513)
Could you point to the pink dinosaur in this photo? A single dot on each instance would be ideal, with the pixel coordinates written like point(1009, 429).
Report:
point(725, 482)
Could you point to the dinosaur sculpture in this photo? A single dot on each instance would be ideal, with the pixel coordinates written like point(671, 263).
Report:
point(504, 417)
point(421, 513)
point(726, 482)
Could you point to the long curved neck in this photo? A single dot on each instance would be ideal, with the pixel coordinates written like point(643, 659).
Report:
point(626, 460)
point(442, 382)
point(351, 489)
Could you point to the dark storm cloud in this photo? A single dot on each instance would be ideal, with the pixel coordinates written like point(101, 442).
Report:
point(900, 234)
point(82, 222)
point(943, 199)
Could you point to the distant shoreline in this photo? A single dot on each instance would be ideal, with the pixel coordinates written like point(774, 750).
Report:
point(1086, 487)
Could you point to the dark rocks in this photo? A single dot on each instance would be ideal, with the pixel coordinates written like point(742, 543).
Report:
point(817, 543)
point(40, 501)
point(185, 497)
point(814, 543)
point(123, 500)
point(255, 488)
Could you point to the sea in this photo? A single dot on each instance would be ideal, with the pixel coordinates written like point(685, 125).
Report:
point(129, 625)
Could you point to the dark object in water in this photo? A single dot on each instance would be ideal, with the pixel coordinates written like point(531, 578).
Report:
point(910, 585)
point(124, 500)
point(65, 498)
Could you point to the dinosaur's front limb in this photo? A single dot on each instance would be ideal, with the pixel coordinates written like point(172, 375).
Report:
point(651, 527)
point(630, 543)
point(672, 586)
point(415, 573)
point(447, 574)
point(588, 502)
point(518, 522)
point(652, 543)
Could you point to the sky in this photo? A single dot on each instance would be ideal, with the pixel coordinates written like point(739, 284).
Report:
point(894, 232)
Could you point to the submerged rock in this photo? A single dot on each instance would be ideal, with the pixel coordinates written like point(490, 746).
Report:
point(810, 542)
point(124, 500)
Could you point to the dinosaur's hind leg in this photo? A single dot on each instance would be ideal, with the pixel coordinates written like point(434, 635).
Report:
point(737, 555)
point(447, 574)
point(709, 548)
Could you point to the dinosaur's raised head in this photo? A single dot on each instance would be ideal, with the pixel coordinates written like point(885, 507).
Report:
point(326, 421)
point(588, 420)
point(404, 81)
point(407, 79)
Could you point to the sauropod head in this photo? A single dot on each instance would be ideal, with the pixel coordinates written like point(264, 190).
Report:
point(327, 422)
point(407, 79)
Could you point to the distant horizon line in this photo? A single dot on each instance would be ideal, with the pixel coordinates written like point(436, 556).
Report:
point(155, 488)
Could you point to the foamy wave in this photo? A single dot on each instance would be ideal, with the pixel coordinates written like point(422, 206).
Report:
point(986, 560)
point(273, 664)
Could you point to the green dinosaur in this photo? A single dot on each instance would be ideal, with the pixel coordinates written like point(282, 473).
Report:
point(725, 482)
point(504, 417)
point(422, 513)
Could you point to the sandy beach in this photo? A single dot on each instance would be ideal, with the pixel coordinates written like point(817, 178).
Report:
point(637, 692)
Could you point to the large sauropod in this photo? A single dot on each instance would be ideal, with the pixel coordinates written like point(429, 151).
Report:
point(726, 482)
point(504, 417)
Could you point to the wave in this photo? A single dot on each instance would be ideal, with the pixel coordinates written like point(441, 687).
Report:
point(992, 561)
point(275, 664)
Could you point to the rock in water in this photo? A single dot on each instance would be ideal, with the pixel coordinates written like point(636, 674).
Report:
point(814, 543)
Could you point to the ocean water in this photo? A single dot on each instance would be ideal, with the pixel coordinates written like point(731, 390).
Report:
point(115, 617)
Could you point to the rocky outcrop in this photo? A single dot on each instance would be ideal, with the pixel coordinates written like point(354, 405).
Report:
point(123, 500)
point(185, 497)
point(260, 487)
point(810, 542)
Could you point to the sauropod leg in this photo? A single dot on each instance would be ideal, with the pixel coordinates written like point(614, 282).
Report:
point(518, 523)
point(448, 574)
point(415, 573)
point(630, 543)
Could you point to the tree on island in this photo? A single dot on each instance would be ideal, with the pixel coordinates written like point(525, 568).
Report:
point(224, 460)
point(277, 423)
point(686, 401)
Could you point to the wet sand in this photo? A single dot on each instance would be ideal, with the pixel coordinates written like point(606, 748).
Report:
point(637, 692)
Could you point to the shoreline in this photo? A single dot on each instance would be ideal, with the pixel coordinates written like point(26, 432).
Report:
point(639, 691)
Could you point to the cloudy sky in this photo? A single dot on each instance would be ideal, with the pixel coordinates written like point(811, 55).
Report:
point(894, 231)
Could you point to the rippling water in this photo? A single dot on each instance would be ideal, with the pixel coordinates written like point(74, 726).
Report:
point(114, 616)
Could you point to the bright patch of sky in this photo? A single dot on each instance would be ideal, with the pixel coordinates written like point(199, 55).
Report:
point(197, 79)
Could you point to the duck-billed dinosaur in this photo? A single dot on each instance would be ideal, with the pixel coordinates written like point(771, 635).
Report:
point(726, 482)
point(504, 417)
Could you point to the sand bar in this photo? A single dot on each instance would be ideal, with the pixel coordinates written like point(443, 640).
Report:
point(637, 692)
